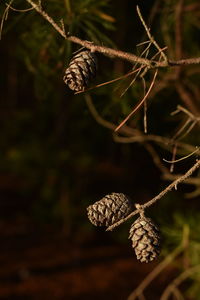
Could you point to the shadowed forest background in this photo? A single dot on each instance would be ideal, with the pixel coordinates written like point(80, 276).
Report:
point(56, 159)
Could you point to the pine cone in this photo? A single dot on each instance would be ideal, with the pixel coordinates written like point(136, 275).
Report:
point(109, 209)
point(82, 68)
point(145, 239)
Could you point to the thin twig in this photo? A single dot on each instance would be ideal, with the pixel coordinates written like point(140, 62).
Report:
point(4, 17)
point(179, 28)
point(176, 292)
point(181, 129)
point(191, 119)
point(182, 158)
point(145, 54)
point(177, 281)
point(145, 117)
point(187, 112)
point(173, 185)
point(184, 62)
point(161, 140)
point(149, 34)
point(132, 81)
point(188, 130)
point(159, 52)
point(174, 152)
point(140, 103)
point(19, 10)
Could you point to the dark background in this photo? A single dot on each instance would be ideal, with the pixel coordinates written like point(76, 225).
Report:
point(55, 159)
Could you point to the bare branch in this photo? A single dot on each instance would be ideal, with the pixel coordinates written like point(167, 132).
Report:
point(39, 9)
point(163, 141)
point(150, 36)
point(190, 180)
point(177, 281)
point(187, 112)
point(184, 62)
point(188, 125)
point(173, 185)
point(109, 51)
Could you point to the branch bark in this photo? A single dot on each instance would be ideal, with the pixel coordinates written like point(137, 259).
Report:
point(109, 51)
point(173, 185)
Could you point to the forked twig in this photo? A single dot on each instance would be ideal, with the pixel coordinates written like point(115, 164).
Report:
point(177, 293)
point(145, 54)
point(182, 158)
point(149, 34)
point(177, 281)
point(179, 132)
point(191, 121)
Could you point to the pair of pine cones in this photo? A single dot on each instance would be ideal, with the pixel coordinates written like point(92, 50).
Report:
point(143, 233)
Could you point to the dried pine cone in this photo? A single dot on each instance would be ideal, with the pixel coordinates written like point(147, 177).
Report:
point(109, 209)
point(82, 68)
point(145, 239)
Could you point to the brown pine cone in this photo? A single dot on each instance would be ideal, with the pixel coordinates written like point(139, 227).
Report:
point(82, 68)
point(145, 239)
point(109, 209)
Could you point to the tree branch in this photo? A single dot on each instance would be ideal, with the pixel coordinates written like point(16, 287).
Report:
point(177, 281)
point(159, 196)
point(109, 51)
point(164, 141)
